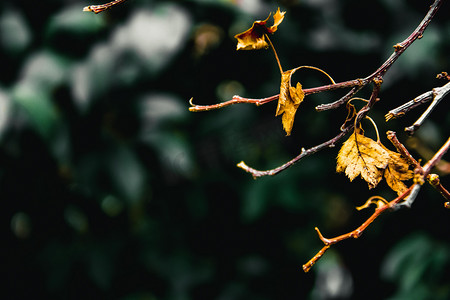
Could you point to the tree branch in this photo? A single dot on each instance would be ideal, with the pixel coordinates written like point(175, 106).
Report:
point(405, 199)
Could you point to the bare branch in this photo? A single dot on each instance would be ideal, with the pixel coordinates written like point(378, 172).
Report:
point(402, 150)
point(403, 109)
point(438, 95)
point(235, 100)
point(328, 144)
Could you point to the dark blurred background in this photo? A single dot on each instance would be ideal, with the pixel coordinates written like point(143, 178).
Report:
point(112, 189)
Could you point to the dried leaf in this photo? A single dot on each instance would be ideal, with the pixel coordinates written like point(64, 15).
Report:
point(254, 38)
point(377, 200)
point(289, 100)
point(102, 7)
point(363, 156)
point(397, 171)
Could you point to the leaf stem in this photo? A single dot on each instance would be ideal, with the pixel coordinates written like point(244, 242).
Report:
point(274, 52)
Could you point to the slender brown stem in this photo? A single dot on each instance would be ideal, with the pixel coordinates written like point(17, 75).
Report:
point(274, 52)
point(341, 101)
point(402, 150)
point(436, 158)
point(438, 94)
point(401, 47)
point(235, 100)
point(403, 109)
point(304, 153)
point(238, 99)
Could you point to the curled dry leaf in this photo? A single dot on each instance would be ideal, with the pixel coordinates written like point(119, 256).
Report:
point(363, 156)
point(289, 100)
point(397, 171)
point(254, 38)
point(377, 200)
point(102, 7)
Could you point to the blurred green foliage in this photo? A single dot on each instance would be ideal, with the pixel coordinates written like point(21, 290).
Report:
point(113, 190)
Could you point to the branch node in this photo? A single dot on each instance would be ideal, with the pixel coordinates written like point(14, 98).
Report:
point(326, 241)
point(356, 233)
point(433, 179)
point(398, 47)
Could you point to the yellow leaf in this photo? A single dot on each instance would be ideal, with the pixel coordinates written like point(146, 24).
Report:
point(289, 100)
point(397, 171)
point(363, 156)
point(254, 38)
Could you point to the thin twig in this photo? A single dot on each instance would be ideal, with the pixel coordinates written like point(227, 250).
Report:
point(304, 153)
point(436, 158)
point(398, 49)
point(438, 94)
point(342, 100)
point(238, 99)
point(401, 47)
point(404, 108)
point(235, 100)
point(402, 150)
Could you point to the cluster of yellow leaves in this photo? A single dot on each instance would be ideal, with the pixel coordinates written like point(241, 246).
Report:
point(360, 155)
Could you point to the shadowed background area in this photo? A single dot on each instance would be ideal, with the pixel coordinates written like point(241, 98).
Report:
point(112, 189)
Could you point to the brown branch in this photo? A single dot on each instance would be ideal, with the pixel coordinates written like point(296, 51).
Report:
point(235, 100)
point(436, 158)
point(438, 95)
point(402, 150)
point(355, 233)
point(403, 109)
point(328, 144)
point(341, 101)
point(102, 7)
point(238, 99)
point(401, 47)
